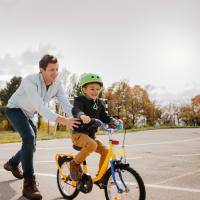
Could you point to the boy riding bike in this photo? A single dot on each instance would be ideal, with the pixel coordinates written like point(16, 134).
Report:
point(87, 106)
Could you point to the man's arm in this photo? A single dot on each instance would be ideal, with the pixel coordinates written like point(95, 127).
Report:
point(36, 101)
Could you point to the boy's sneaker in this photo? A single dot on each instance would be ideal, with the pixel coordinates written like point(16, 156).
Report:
point(14, 169)
point(75, 171)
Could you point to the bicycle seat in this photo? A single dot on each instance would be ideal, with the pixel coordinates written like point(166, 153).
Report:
point(76, 147)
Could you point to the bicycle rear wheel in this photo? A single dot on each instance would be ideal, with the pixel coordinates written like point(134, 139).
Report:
point(133, 189)
point(66, 187)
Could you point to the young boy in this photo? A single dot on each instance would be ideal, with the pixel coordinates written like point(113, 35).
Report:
point(87, 106)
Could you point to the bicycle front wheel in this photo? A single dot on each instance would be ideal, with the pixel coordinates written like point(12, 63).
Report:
point(65, 185)
point(130, 183)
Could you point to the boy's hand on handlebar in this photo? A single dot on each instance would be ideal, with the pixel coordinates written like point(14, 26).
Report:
point(116, 123)
point(120, 121)
point(85, 119)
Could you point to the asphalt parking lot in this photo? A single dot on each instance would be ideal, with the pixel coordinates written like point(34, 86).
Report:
point(168, 161)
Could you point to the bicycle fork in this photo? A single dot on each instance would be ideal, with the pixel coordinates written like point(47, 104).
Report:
point(120, 176)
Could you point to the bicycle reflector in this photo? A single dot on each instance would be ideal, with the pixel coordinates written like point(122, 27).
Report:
point(115, 142)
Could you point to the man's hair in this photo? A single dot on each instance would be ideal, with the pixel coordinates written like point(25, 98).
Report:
point(46, 59)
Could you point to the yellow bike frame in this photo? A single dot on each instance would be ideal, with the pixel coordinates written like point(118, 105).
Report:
point(111, 154)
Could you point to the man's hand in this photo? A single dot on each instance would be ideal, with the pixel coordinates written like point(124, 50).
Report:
point(85, 119)
point(69, 122)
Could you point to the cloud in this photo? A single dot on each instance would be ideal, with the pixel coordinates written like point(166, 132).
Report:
point(2, 84)
point(165, 96)
point(6, 5)
point(24, 63)
point(31, 57)
point(153, 88)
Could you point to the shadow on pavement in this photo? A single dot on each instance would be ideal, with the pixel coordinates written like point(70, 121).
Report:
point(6, 191)
point(22, 198)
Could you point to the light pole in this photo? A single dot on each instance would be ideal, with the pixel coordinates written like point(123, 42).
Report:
point(124, 101)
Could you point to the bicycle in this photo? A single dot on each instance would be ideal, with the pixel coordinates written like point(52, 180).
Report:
point(120, 181)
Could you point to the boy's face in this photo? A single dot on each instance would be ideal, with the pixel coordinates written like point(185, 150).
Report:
point(92, 90)
point(51, 73)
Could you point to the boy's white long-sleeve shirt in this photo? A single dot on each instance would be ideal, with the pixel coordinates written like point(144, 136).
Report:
point(32, 96)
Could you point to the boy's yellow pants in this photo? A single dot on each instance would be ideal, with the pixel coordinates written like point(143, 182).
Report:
point(89, 145)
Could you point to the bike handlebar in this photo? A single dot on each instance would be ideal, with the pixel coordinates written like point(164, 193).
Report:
point(109, 130)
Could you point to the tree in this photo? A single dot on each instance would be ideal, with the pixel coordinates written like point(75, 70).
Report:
point(169, 115)
point(109, 96)
point(138, 103)
point(74, 89)
point(11, 87)
point(118, 96)
point(196, 101)
point(71, 87)
point(186, 114)
point(132, 104)
point(5, 95)
point(196, 109)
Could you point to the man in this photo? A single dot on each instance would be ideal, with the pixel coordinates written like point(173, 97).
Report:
point(34, 91)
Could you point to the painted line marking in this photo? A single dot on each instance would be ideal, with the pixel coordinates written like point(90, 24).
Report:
point(48, 175)
point(52, 161)
point(38, 148)
point(172, 188)
point(180, 176)
point(146, 144)
point(146, 185)
point(169, 142)
point(47, 161)
point(46, 148)
point(188, 155)
point(134, 158)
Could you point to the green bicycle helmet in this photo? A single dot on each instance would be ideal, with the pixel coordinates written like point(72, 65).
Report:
point(90, 78)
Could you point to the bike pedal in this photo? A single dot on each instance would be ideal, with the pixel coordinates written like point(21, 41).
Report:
point(73, 184)
point(100, 185)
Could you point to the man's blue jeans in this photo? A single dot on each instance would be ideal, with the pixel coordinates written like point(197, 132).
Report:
point(28, 133)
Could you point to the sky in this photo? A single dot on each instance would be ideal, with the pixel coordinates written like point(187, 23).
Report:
point(151, 43)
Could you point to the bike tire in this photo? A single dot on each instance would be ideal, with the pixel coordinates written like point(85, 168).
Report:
point(66, 188)
point(131, 178)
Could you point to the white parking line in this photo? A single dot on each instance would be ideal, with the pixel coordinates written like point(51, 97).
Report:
point(188, 155)
point(160, 143)
point(172, 188)
point(47, 161)
point(43, 174)
point(134, 158)
point(37, 148)
point(52, 161)
point(146, 185)
point(47, 148)
point(132, 145)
